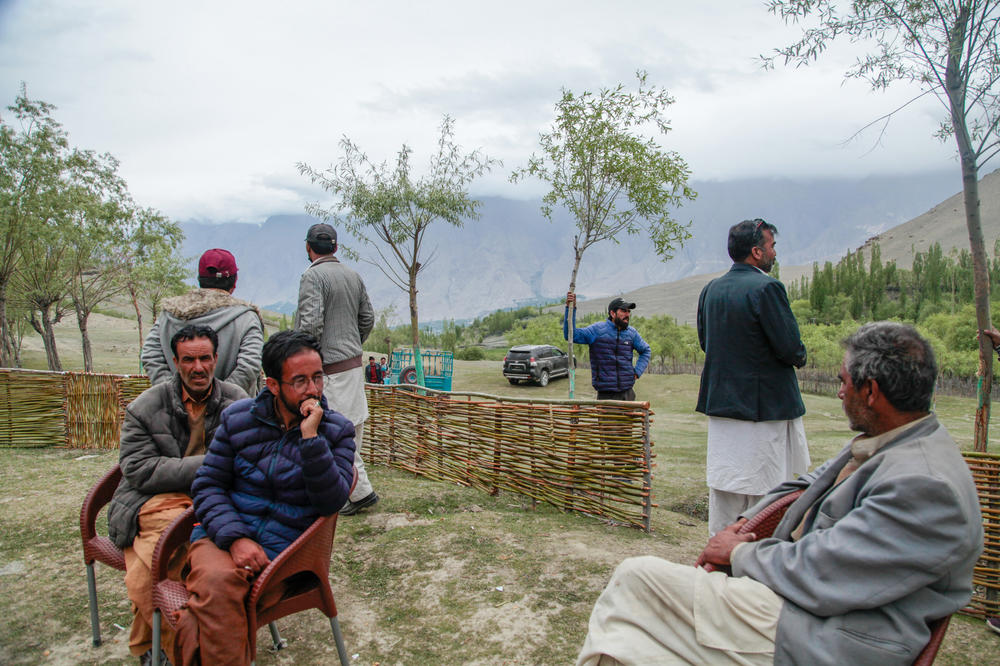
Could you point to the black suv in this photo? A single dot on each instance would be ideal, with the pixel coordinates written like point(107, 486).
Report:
point(538, 363)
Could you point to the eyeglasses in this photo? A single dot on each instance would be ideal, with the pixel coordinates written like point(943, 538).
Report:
point(760, 223)
point(300, 383)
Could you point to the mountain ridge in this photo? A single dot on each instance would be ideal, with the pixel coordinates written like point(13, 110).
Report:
point(943, 223)
point(513, 255)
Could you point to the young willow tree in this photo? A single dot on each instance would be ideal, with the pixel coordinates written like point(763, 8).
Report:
point(950, 49)
point(604, 169)
point(94, 233)
point(152, 267)
point(33, 156)
point(389, 211)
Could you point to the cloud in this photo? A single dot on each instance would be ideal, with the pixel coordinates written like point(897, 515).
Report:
point(210, 105)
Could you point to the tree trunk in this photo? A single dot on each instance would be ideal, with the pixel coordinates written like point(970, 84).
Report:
point(571, 319)
point(138, 317)
point(981, 283)
point(418, 361)
point(6, 335)
point(955, 86)
point(88, 354)
point(49, 340)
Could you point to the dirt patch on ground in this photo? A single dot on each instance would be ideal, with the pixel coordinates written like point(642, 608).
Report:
point(391, 521)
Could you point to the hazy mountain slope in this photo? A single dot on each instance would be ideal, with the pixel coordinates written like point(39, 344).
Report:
point(943, 223)
point(513, 255)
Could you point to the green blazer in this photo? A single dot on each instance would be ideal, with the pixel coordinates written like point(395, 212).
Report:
point(752, 347)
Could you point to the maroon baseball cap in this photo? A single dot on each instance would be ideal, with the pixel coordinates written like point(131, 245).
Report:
point(217, 263)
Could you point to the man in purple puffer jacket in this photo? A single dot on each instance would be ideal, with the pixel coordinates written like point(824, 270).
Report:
point(277, 462)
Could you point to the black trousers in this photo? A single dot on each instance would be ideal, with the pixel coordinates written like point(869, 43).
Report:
point(616, 395)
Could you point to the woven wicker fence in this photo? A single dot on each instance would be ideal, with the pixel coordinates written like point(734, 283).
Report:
point(586, 456)
point(71, 409)
point(985, 469)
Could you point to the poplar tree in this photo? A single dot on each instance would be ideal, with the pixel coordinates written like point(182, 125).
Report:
point(602, 166)
point(950, 50)
point(389, 210)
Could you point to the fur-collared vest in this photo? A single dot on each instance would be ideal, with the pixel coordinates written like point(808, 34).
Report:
point(238, 324)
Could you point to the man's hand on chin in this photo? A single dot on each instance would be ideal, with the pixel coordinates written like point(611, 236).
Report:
point(312, 413)
point(248, 554)
point(720, 546)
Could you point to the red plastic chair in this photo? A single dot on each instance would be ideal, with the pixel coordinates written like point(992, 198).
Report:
point(763, 524)
point(766, 521)
point(303, 567)
point(938, 628)
point(97, 548)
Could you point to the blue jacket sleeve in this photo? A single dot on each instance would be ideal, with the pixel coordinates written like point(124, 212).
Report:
point(645, 354)
point(582, 336)
point(210, 492)
point(566, 322)
point(328, 465)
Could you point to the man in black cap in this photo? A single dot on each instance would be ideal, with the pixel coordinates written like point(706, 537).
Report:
point(334, 307)
point(612, 346)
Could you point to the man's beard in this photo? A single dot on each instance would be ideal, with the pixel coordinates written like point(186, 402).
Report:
point(296, 407)
point(859, 418)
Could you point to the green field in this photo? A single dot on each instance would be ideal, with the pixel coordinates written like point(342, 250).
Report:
point(436, 574)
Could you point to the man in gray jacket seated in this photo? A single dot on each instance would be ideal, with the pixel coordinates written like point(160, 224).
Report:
point(163, 442)
point(238, 324)
point(882, 541)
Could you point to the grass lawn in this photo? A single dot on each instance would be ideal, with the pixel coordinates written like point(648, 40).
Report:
point(435, 574)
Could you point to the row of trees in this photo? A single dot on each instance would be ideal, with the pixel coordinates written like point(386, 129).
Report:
point(851, 291)
point(936, 294)
point(601, 159)
point(71, 237)
point(951, 329)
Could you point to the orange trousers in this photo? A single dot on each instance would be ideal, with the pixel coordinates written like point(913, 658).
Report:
point(155, 517)
point(212, 626)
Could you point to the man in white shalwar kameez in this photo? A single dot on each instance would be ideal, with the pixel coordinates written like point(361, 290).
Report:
point(749, 390)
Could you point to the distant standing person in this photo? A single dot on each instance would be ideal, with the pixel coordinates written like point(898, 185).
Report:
point(237, 323)
point(748, 386)
point(373, 371)
point(613, 344)
point(334, 307)
point(384, 365)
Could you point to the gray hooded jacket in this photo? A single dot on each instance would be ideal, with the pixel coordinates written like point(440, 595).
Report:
point(240, 329)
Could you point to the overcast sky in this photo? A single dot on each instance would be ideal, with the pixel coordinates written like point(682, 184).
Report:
point(209, 105)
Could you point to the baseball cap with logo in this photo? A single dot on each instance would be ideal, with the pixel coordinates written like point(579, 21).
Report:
point(620, 304)
point(217, 263)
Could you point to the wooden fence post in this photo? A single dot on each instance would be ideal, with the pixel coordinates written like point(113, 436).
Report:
point(647, 475)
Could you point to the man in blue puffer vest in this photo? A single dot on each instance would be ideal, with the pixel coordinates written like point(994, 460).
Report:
point(612, 345)
point(277, 462)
